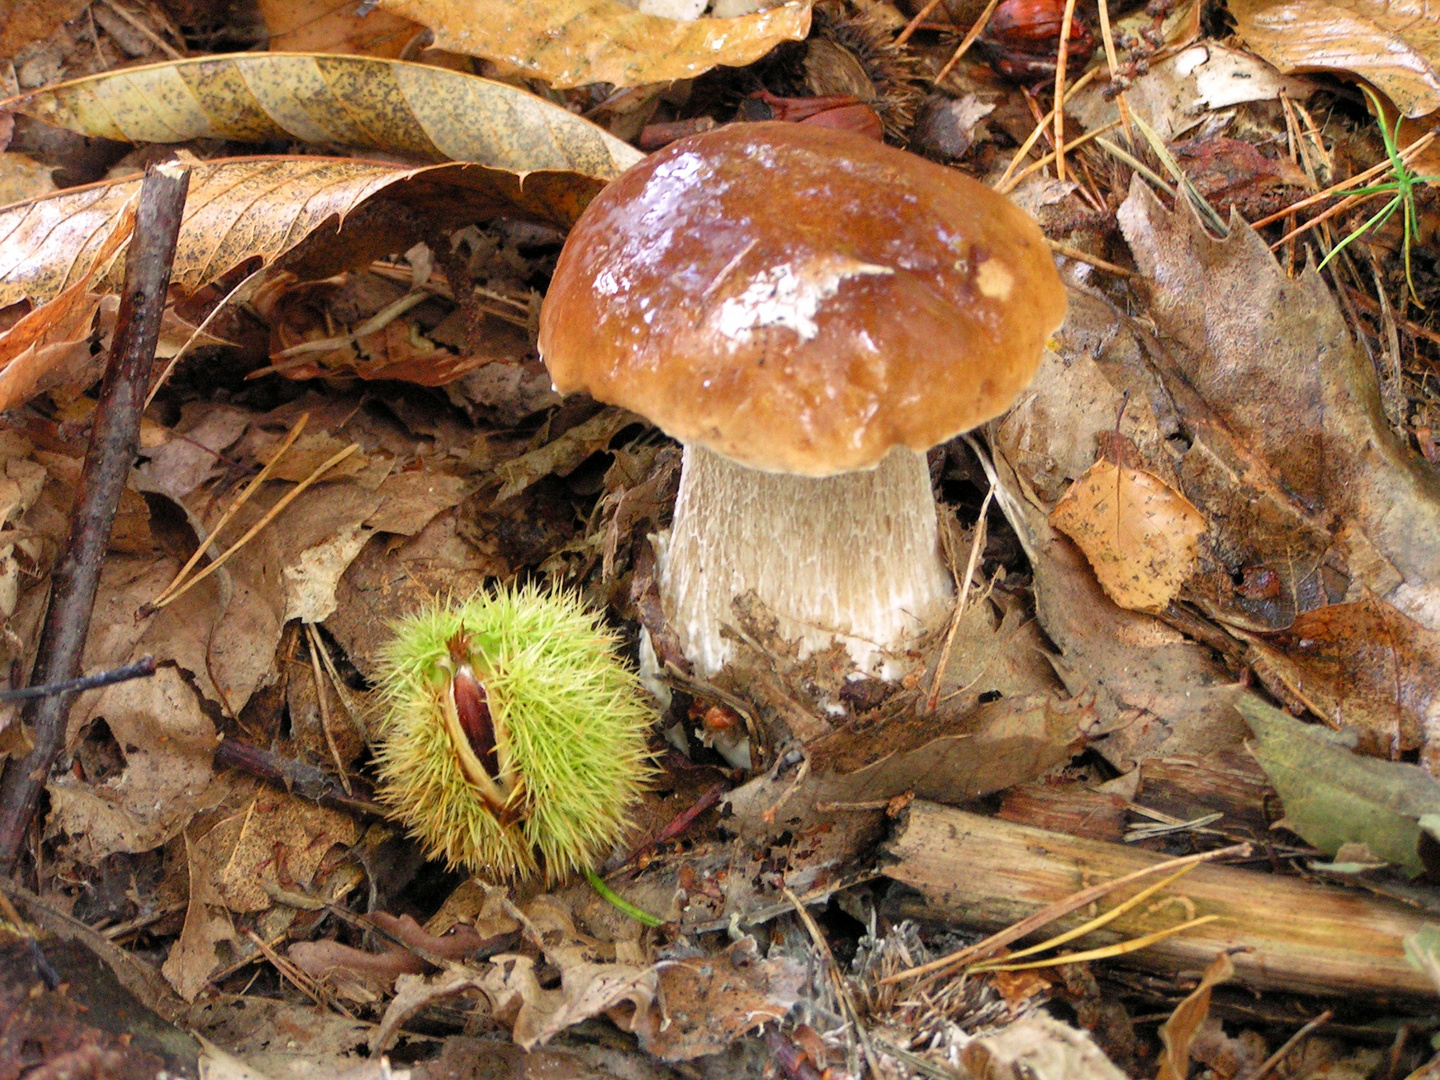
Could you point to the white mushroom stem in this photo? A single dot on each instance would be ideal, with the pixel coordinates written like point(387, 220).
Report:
point(852, 558)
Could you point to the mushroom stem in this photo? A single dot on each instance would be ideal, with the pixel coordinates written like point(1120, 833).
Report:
point(852, 558)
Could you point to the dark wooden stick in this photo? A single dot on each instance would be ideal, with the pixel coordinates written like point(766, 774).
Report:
point(140, 669)
point(296, 777)
point(113, 442)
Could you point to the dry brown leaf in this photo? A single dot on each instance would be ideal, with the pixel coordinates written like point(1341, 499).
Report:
point(207, 925)
point(396, 351)
point(22, 177)
point(1392, 44)
point(357, 325)
point(998, 744)
point(311, 580)
point(708, 1002)
point(1058, 427)
point(261, 207)
point(267, 837)
point(1178, 1032)
point(1276, 397)
point(167, 743)
point(355, 974)
point(1150, 686)
point(41, 350)
point(1142, 537)
point(284, 1038)
point(574, 42)
point(1037, 1047)
point(413, 110)
point(310, 451)
point(563, 454)
point(276, 838)
point(190, 455)
point(409, 500)
point(1363, 666)
point(459, 942)
point(24, 22)
point(225, 631)
point(334, 26)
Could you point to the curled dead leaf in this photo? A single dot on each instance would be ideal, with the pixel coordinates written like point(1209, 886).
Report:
point(1392, 44)
point(574, 42)
point(264, 207)
point(414, 110)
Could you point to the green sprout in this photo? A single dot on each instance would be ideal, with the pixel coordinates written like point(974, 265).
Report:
point(1402, 187)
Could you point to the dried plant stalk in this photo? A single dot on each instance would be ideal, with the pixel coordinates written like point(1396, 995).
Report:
point(987, 873)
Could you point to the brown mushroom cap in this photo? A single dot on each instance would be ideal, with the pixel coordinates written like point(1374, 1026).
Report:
point(800, 300)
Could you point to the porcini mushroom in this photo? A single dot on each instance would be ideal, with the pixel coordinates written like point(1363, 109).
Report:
point(808, 312)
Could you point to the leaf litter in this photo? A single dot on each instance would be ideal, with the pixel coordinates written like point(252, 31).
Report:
point(1219, 476)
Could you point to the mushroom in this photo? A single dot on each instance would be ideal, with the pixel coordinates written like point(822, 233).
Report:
point(808, 312)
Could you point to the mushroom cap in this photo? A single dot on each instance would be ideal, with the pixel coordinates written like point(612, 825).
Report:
point(800, 300)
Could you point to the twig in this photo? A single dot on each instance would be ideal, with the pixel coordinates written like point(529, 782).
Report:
point(296, 977)
point(1108, 37)
point(1084, 256)
point(842, 991)
point(352, 710)
point(1290, 1044)
point(914, 24)
point(1407, 156)
point(145, 31)
point(140, 669)
point(296, 777)
point(215, 311)
point(964, 46)
point(1039, 128)
point(1035, 166)
point(976, 545)
point(677, 825)
point(1319, 219)
point(1412, 328)
point(312, 638)
point(114, 440)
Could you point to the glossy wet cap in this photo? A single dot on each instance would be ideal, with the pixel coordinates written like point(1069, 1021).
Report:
point(800, 300)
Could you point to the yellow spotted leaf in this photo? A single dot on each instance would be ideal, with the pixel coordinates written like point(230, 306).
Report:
point(574, 42)
point(414, 110)
point(263, 208)
point(1142, 537)
point(1392, 44)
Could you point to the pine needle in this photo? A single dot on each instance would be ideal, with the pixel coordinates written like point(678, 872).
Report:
point(270, 515)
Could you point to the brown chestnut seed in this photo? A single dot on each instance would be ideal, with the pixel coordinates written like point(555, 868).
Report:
point(472, 707)
point(465, 711)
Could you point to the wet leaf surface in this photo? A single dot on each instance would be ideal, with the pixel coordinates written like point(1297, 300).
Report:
point(586, 41)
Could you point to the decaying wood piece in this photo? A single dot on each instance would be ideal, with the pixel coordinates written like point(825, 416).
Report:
point(988, 873)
